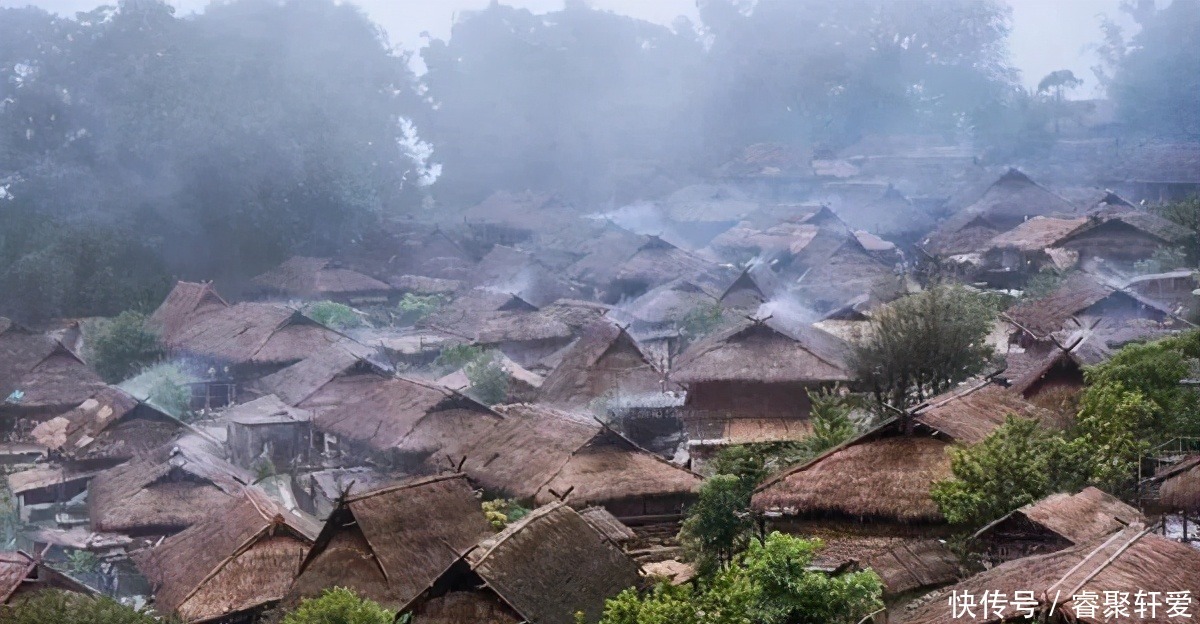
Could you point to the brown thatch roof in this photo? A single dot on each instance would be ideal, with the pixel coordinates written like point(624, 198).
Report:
point(785, 238)
point(848, 272)
point(551, 564)
point(186, 300)
point(109, 425)
point(915, 565)
point(880, 474)
point(604, 360)
point(968, 415)
point(385, 413)
point(1128, 561)
point(458, 607)
point(15, 568)
point(241, 558)
point(57, 381)
point(706, 203)
point(20, 574)
point(164, 491)
point(421, 285)
point(389, 545)
point(1036, 234)
point(1078, 518)
point(539, 453)
point(295, 383)
point(879, 209)
point(668, 304)
point(258, 333)
point(1044, 316)
point(315, 277)
point(1165, 230)
point(490, 316)
point(766, 351)
point(1180, 485)
point(658, 262)
point(607, 525)
point(511, 270)
point(1154, 161)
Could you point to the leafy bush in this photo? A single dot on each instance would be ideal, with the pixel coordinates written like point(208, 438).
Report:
point(333, 314)
point(82, 561)
point(1042, 283)
point(702, 320)
point(59, 607)
point(414, 308)
point(489, 380)
point(457, 356)
point(718, 526)
point(502, 512)
point(123, 346)
point(339, 606)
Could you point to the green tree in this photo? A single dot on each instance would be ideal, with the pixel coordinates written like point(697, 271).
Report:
point(1154, 370)
point(1059, 83)
point(1156, 77)
point(123, 346)
point(457, 356)
point(830, 418)
point(489, 380)
point(60, 607)
point(333, 314)
point(719, 525)
point(1115, 427)
point(414, 308)
point(924, 344)
point(339, 606)
point(1017, 464)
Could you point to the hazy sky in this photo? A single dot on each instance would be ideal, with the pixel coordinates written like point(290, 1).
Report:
point(1047, 34)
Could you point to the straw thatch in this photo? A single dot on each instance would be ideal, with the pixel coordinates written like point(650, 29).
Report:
point(239, 559)
point(608, 525)
point(1076, 518)
point(707, 203)
point(421, 285)
point(1163, 230)
point(917, 565)
point(523, 210)
point(299, 381)
point(878, 209)
point(1156, 162)
point(185, 301)
point(657, 262)
point(1130, 561)
point(512, 270)
point(55, 383)
point(552, 564)
point(541, 454)
point(967, 416)
point(779, 239)
point(880, 474)
point(605, 360)
point(301, 276)
point(21, 574)
point(766, 351)
point(257, 333)
point(664, 306)
point(1036, 234)
point(756, 285)
point(846, 273)
point(385, 413)
point(459, 607)
point(1046, 315)
point(111, 425)
point(389, 545)
point(1180, 485)
point(165, 491)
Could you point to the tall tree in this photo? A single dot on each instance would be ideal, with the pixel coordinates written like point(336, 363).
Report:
point(1156, 80)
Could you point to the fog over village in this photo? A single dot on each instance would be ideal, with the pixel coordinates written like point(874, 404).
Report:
point(609, 312)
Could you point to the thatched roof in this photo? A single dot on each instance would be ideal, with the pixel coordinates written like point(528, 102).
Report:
point(883, 211)
point(508, 269)
point(879, 475)
point(457, 607)
point(769, 160)
point(20, 574)
point(539, 453)
point(607, 525)
point(1130, 561)
point(421, 285)
point(295, 383)
point(667, 304)
point(849, 271)
point(1036, 234)
point(754, 286)
point(242, 557)
point(779, 239)
point(186, 300)
point(56, 381)
point(265, 410)
point(1046, 315)
point(1135, 220)
point(490, 316)
point(551, 564)
point(524, 210)
point(605, 359)
point(164, 491)
point(1156, 162)
point(109, 425)
point(707, 203)
point(969, 415)
point(44, 476)
point(915, 565)
point(257, 333)
point(398, 413)
point(766, 351)
point(1077, 518)
point(658, 262)
point(1180, 485)
point(390, 544)
point(302, 276)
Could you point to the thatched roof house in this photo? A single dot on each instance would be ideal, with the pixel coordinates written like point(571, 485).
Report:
point(319, 278)
point(605, 360)
point(512, 270)
point(1179, 486)
point(655, 263)
point(1056, 522)
point(390, 544)
point(237, 561)
point(400, 419)
point(1027, 247)
point(293, 384)
point(40, 376)
point(756, 285)
point(542, 569)
point(879, 209)
point(22, 575)
point(185, 301)
point(1085, 299)
point(109, 428)
point(503, 320)
point(267, 429)
point(664, 308)
point(1122, 235)
point(165, 491)
point(1130, 561)
point(969, 415)
point(912, 566)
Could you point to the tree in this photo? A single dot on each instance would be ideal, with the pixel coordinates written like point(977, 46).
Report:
point(1114, 432)
point(339, 606)
point(489, 380)
point(718, 526)
point(1017, 464)
point(333, 314)
point(1155, 79)
point(1059, 82)
point(923, 344)
point(60, 607)
point(124, 346)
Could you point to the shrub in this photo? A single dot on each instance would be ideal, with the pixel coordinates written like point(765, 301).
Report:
point(489, 380)
point(333, 314)
point(702, 320)
point(503, 512)
point(59, 607)
point(123, 346)
point(339, 606)
point(414, 308)
point(457, 356)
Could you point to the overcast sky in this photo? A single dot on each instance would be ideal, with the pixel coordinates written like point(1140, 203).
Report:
point(1047, 34)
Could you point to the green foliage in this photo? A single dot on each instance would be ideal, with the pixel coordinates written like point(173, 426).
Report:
point(457, 356)
point(1017, 464)
point(339, 606)
point(1114, 430)
point(1156, 77)
point(1154, 370)
point(1042, 283)
point(923, 344)
point(1184, 213)
point(489, 380)
point(333, 314)
point(502, 512)
point(702, 320)
point(414, 308)
point(60, 607)
point(768, 584)
point(82, 561)
point(718, 526)
point(123, 346)
point(1162, 260)
point(830, 418)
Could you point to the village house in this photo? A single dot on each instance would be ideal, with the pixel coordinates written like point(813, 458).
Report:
point(1129, 561)
point(390, 545)
point(1174, 289)
point(604, 362)
point(232, 565)
point(523, 384)
point(1154, 171)
point(186, 302)
point(879, 209)
point(1012, 257)
point(1082, 300)
point(1119, 238)
point(505, 578)
point(504, 321)
point(317, 493)
point(654, 263)
point(657, 318)
point(39, 378)
point(539, 455)
point(22, 575)
point(695, 214)
point(1053, 523)
point(772, 170)
point(756, 285)
point(267, 432)
point(1178, 489)
point(912, 568)
point(511, 270)
point(302, 277)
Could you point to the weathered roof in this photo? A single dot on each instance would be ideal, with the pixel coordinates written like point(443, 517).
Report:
point(104, 427)
point(15, 568)
point(1078, 518)
point(421, 285)
point(1010, 200)
point(665, 304)
point(186, 300)
point(313, 277)
point(1165, 230)
point(295, 383)
point(1036, 234)
point(1180, 485)
point(1048, 314)
point(607, 524)
point(507, 269)
point(39, 372)
point(605, 359)
point(915, 565)
point(769, 160)
point(707, 202)
point(390, 544)
point(553, 547)
point(968, 415)
point(20, 573)
point(259, 333)
point(525, 210)
point(765, 352)
point(1157, 162)
point(1130, 561)
point(265, 410)
point(241, 557)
